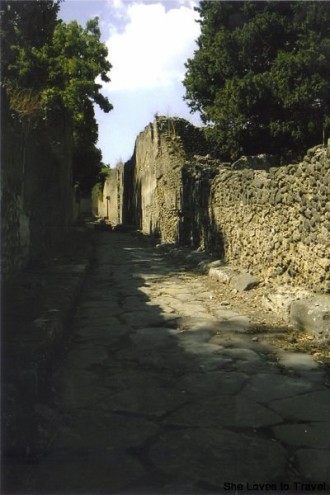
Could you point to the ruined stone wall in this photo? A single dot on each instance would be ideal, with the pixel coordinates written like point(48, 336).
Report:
point(153, 175)
point(37, 194)
point(107, 199)
point(274, 224)
point(197, 227)
point(272, 221)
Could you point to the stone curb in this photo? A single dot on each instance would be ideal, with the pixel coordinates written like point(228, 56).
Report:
point(217, 269)
point(298, 307)
point(32, 344)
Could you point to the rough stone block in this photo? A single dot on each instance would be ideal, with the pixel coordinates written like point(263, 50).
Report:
point(280, 301)
point(222, 274)
point(312, 315)
point(243, 282)
point(205, 265)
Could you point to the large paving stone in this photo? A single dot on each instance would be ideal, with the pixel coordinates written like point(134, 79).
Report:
point(142, 319)
point(174, 362)
point(215, 382)
point(317, 376)
point(147, 400)
point(74, 396)
point(225, 410)
point(169, 358)
point(310, 435)
point(107, 333)
point(239, 324)
point(100, 319)
point(89, 473)
point(312, 406)
point(164, 308)
point(107, 311)
point(185, 296)
point(163, 301)
point(224, 313)
point(134, 378)
point(151, 339)
point(297, 361)
point(169, 320)
point(252, 367)
point(100, 295)
point(266, 387)
point(218, 456)
point(201, 348)
point(132, 307)
point(86, 357)
point(241, 354)
point(192, 309)
point(136, 300)
point(314, 464)
point(84, 431)
point(204, 296)
point(242, 341)
point(74, 378)
point(93, 305)
point(197, 323)
point(204, 356)
point(196, 336)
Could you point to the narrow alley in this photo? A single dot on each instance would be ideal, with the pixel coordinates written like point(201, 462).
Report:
point(163, 390)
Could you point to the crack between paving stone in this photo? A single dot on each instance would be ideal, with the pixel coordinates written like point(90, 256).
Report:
point(159, 418)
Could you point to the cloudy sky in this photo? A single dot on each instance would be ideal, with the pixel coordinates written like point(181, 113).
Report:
point(148, 41)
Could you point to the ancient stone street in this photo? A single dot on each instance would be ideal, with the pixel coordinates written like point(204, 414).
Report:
point(164, 390)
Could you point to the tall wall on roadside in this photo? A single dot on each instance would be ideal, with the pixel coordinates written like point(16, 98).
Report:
point(36, 192)
point(153, 175)
point(272, 221)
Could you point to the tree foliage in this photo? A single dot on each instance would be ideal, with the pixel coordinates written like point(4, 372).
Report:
point(74, 59)
point(25, 28)
point(261, 75)
point(24, 25)
point(77, 58)
point(87, 158)
point(50, 68)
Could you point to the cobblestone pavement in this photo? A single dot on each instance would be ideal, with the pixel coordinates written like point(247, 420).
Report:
point(164, 391)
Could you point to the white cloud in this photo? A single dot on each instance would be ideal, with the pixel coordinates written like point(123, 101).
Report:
point(189, 3)
point(117, 4)
point(151, 49)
